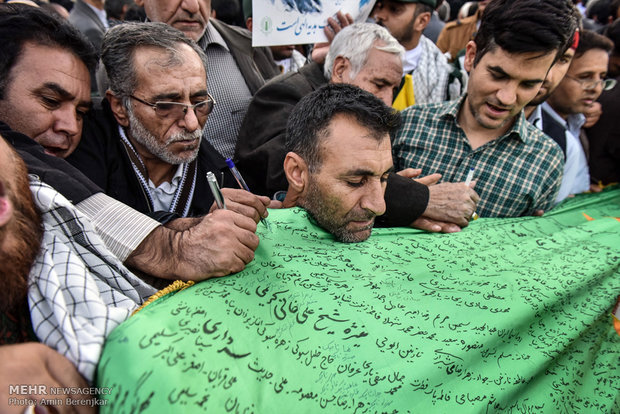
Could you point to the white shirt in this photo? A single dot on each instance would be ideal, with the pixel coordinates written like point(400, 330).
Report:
point(576, 177)
point(164, 194)
point(412, 58)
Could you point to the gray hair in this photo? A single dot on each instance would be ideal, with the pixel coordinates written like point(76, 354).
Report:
point(354, 42)
point(121, 42)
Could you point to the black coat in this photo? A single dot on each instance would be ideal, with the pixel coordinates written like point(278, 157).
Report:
point(102, 157)
point(54, 171)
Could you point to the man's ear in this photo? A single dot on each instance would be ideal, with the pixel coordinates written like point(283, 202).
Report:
point(118, 109)
point(340, 69)
point(470, 55)
point(421, 22)
point(296, 171)
point(248, 23)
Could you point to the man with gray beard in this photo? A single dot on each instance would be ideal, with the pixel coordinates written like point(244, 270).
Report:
point(145, 147)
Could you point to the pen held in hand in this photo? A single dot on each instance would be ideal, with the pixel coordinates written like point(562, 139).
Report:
point(235, 172)
point(215, 189)
point(468, 179)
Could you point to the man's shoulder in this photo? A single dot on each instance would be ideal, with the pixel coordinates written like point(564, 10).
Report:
point(424, 117)
point(418, 112)
point(431, 54)
point(227, 29)
point(539, 141)
point(467, 21)
point(309, 78)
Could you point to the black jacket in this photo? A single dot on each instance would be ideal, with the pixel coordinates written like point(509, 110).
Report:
point(54, 171)
point(102, 157)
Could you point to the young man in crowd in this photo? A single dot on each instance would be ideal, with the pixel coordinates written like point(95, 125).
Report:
point(426, 72)
point(518, 168)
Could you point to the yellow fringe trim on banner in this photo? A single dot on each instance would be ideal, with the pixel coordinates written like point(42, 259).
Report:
point(177, 285)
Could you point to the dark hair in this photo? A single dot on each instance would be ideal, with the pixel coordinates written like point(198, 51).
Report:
point(422, 8)
point(310, 119)
point(20, 23)
point(119, 46)
point(114, 8)
point(229, 11)
point(527, 26)
point(589, 40)
point(613, 33)
point(601, 10)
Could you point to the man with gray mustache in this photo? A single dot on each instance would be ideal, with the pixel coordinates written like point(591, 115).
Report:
point(145, 147)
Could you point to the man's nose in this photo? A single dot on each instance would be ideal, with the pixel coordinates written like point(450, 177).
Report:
point(386, 95)
point(67, 120)
point(507, 95)
point(191, 6)
point(190, 121)
point(378, 14)
point(373, 200)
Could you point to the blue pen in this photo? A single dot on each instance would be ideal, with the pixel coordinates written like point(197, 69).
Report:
point(235, 172)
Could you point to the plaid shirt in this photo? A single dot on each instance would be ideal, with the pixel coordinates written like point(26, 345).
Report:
point(79, 291)
point(517, 173)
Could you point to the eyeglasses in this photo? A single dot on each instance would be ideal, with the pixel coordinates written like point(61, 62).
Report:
point(179, 110)
point(591, 84)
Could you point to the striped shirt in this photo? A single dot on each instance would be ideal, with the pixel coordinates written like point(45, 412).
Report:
point(517, 173)
point(226, 84)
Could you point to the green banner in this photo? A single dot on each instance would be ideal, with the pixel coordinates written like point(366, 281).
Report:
point(508, 315)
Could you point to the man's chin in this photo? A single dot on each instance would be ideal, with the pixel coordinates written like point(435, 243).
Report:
point(354, 235)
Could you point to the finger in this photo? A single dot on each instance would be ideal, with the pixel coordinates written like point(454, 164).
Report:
point(66, 375)
point(258, 203)
point(450, 228)
point(410, 172)
point(429, 179)
point(241, 221)
point(245, 255)
point(244, 210)
point(473, 195)
point(331, 28)
point(426, 224)
point(63, 371)
point(462, 221)
point(275, 204)
point(264, 199)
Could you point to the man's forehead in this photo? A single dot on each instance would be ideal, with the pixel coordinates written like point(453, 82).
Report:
point(158, 68)
point(530, 64)
point(383, 65)
point(591, 56)
point(348, 145)
point(54, 69)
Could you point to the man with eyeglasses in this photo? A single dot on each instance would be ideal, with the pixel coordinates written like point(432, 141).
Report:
point(562, 113)
point(146, 147)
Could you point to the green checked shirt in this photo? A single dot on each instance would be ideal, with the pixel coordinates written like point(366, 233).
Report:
point(517, 173)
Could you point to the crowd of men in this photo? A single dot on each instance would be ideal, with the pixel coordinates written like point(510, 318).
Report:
point(392, 128)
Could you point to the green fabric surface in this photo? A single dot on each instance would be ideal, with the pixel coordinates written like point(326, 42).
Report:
point(508, 315)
